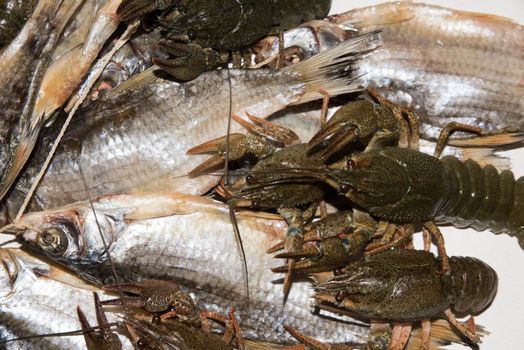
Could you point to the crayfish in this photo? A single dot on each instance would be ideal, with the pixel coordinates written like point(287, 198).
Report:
point(199, 33)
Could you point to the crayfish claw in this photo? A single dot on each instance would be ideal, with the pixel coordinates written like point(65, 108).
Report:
point(129, 10)
point(237, 149)
point(268, 130)
point(308, 251)
point(103, 338)
point(211, 163)
point(218, 145)
point(332, 127)
point(154, 296)
point(338, 131)
point(189, 61)
point(127, 301)
point(133, 288)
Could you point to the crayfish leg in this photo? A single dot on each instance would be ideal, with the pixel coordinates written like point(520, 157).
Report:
point(305, 340)
point(380, 336)
point(425, 335)
point(325, 106)
point(427, 240)
point(449, 129)
point(231, 326)
point(467, 329)
point(393, 237)
point(400, 336)
point(435, 232)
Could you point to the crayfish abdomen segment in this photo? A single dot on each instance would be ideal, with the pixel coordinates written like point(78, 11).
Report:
point(473, 285)
point(482, 198)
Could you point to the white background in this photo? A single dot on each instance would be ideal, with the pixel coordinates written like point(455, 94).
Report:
point(505, 318)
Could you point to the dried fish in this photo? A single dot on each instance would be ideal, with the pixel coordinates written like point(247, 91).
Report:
point(43, 76)
point(22, 67)
point(443, 68)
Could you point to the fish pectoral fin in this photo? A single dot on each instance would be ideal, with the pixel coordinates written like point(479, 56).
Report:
point(135, 82)
point(19, 158)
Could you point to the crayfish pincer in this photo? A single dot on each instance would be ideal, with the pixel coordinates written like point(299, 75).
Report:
point(408, 186)
point(407, 285)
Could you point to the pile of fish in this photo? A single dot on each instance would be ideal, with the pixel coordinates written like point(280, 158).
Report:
point(160, 160)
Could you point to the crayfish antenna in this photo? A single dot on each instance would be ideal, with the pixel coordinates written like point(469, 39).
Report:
point(232, 215)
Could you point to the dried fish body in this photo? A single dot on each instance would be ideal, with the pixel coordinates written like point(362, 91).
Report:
point(444, 64)
point(473, 65)
point(37, 298)
point(188, 239)
point(136, 141)
point(43, 85)
point(22, 67)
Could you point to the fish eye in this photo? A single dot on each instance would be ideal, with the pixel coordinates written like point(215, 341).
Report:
point(53, 240)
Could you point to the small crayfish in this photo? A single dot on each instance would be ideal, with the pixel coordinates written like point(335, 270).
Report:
point(198, 33)
point(404, 286)
point(165, 301)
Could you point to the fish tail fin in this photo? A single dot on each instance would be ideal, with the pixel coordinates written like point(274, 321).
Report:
point(335, 70)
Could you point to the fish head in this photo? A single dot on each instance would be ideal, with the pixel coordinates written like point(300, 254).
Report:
point(73, 234)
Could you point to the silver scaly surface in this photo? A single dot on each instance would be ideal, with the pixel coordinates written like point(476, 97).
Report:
point(37, 298)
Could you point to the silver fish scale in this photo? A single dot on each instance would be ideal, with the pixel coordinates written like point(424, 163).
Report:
point(137, 141)
point(446, 65)
point(199, 250)
point(37, 305)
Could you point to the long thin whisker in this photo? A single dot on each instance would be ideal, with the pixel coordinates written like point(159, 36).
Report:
point(232, 215)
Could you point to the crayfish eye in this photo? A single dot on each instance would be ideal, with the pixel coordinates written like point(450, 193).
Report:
point(53, 241)
point(339, 296)
point(249, 179)
point(351, 164)
point(141, 344)
point(344, 188)
point(191, 35)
